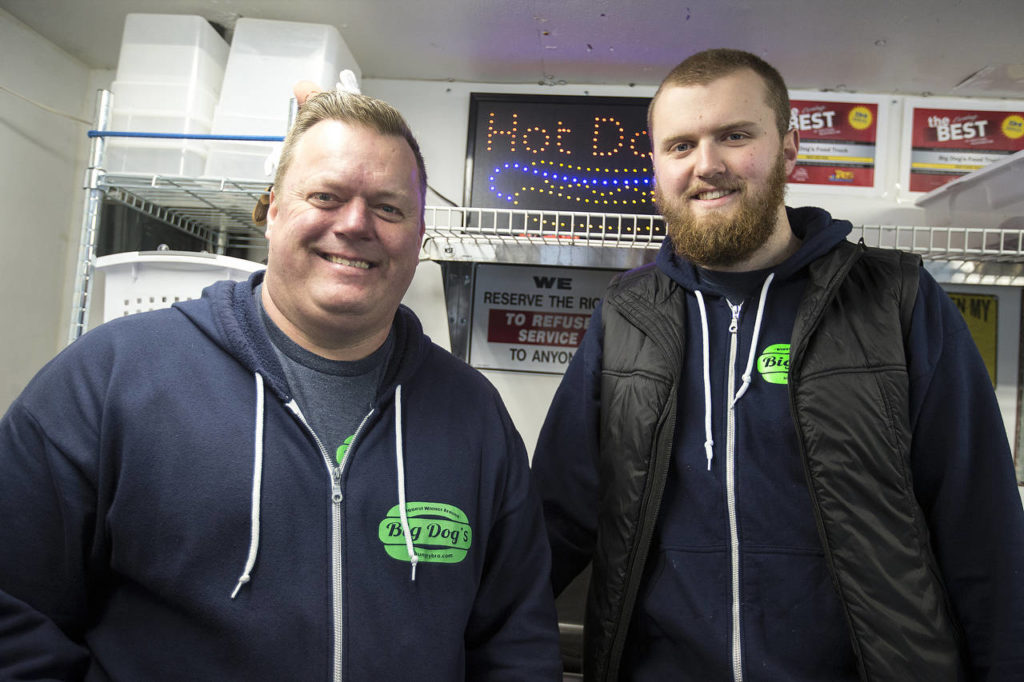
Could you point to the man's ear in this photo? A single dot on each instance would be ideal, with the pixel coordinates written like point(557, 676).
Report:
point(791, 148)
point(271, 213)
point(654, 173)
point(259, 211)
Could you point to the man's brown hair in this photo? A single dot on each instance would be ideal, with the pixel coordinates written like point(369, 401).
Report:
point(710, 65)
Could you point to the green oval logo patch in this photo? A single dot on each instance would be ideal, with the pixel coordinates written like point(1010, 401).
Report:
point(440, 532)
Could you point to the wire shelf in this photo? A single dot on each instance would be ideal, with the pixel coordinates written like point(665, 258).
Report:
point(219, 211)
point(948, 243)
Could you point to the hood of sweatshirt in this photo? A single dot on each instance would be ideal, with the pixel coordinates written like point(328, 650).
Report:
point(229, 315)
point(818, 233)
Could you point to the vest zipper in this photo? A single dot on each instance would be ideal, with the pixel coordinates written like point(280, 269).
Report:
point(730, 492)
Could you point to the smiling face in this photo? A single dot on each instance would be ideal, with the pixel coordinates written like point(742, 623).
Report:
point(344, 230)
point(720, 170)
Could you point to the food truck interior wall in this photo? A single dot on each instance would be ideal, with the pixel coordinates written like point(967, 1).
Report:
point(428, 72)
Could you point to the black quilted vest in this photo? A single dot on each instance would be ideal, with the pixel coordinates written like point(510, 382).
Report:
point(847, 360)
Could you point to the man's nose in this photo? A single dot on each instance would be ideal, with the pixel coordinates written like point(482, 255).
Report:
point(708, 160)
point(354, 217)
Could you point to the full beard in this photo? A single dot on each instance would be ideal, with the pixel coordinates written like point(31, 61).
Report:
point(720, 241)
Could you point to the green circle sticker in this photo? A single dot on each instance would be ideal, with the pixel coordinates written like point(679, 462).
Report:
point(773, 364)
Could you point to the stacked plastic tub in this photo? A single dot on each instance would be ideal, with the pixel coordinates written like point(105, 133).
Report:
point(266, 59)
point(168, 80)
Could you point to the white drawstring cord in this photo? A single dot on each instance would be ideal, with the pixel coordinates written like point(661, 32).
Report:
point(708, 441)
point(754, 340)
point(257, 478)
point(400, 462)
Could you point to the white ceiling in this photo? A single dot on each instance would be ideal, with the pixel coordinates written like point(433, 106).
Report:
point(891, 46)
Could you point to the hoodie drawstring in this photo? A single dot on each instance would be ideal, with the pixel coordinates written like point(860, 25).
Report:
point(257, 478)
point(400, 462)
point(754, 340)
point(708, 441)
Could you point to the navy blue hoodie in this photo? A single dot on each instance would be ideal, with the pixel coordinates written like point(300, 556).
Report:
point(168, 515)
point(790, 622)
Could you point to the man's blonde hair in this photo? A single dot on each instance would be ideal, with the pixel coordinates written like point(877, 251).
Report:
point(353, 109)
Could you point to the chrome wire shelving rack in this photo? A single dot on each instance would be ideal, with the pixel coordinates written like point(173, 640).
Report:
point(219, 212)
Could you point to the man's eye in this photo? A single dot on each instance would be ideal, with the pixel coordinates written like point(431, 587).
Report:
point(681, 147)
point(322, 196)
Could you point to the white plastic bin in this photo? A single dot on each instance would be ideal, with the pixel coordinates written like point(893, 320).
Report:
point(248, 124)
point(238, 160)
point(139, 281)
point(146, 156)
point(144, 108)
point(268, 57)
point(188, 99)
point(172, 48)
point(168, 80)
point(155, 121)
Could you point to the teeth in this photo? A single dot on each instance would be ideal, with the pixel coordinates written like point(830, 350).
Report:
point(344, 261)
point(716, 194)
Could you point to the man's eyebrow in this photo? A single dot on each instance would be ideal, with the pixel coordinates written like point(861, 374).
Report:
point(329, 183)
point(392, 194)
point(717, 130)
point(733, 125)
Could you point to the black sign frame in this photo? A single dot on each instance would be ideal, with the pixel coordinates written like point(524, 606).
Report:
point(576, 153)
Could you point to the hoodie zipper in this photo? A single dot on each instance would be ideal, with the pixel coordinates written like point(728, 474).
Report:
point(334, 471)
point(730, 492)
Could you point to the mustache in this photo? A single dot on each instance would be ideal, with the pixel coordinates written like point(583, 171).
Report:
point(731, 186)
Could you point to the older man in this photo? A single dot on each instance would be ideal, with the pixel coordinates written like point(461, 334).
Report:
point(285, 479)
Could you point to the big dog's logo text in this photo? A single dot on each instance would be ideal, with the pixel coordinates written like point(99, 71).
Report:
point(440, 533)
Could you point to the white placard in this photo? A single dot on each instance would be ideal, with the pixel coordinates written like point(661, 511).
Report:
point(531, 319)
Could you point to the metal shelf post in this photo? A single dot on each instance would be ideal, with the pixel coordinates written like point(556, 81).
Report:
point(84, 268)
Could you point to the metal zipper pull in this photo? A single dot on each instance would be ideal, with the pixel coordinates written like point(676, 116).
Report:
point(734, 324)
point(336, 485)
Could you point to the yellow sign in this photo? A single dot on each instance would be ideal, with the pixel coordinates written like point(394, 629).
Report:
point(1013, 126)
point(982, 315)
point(860, 118)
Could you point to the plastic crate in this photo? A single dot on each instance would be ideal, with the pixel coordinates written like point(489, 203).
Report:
point(139, 281)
